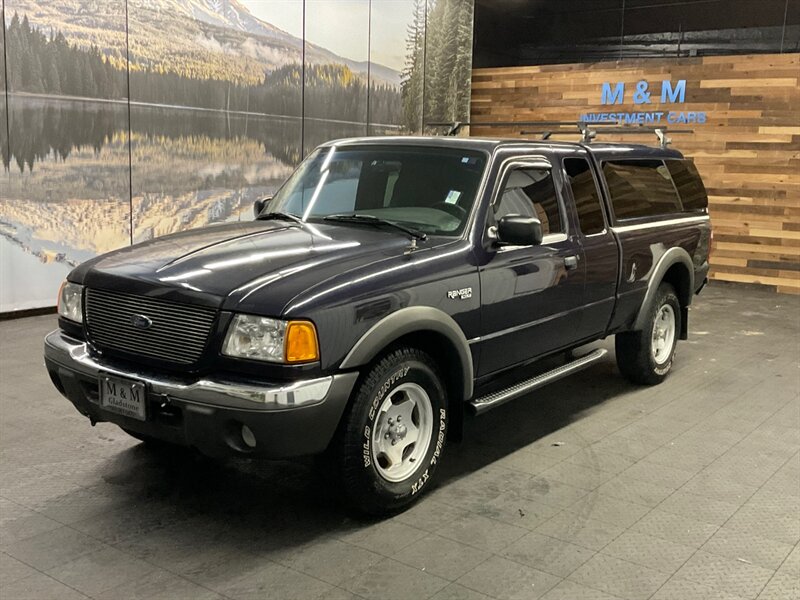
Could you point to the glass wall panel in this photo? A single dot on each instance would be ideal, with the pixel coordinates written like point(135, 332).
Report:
point(397, 37)
point(448, 60)
point(215, 109)
point(336, 70)
point(65, 192)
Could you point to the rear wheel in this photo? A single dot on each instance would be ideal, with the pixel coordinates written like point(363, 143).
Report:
point(646, 356)
point(393, 433)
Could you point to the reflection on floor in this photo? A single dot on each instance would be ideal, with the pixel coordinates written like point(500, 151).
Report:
point(591, 489)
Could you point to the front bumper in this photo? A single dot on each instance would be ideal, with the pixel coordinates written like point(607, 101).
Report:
point(208, 414)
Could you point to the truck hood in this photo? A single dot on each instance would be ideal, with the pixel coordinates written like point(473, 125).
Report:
point(223, 264)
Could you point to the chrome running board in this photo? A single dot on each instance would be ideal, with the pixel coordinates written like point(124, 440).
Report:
point(490, 401)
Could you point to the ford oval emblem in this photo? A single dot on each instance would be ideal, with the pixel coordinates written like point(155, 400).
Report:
point(141, 322)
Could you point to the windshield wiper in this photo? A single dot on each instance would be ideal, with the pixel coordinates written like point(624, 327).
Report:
point(373, 220)
point(280, 215)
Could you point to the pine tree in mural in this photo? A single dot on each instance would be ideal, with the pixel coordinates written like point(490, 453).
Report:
point(51, 65)
point(412, 76)
point(438, 62)
point(448, 60)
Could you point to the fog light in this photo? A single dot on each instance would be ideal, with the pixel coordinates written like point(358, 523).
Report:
point(248, 437)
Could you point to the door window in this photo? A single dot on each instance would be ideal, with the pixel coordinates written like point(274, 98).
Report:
point(530, 192)
point(585, 194)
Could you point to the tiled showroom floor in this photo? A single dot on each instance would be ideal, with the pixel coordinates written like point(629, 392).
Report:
point(593, 488)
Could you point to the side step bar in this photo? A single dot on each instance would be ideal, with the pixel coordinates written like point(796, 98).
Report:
point(490, 401)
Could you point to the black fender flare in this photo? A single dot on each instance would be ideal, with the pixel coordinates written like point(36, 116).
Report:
point(676, 255)
point(413, 319)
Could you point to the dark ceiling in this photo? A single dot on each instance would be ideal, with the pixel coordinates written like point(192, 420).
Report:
point(519, 32)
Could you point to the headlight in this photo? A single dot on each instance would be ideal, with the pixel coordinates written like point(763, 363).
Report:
point(70, 301)
point(273, 340)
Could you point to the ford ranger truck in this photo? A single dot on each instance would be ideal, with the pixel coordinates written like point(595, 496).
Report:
point(390, 286)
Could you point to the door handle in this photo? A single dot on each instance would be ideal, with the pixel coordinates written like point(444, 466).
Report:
point(571, 262)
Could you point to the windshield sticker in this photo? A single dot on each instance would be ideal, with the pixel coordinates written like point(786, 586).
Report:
point(452, 197)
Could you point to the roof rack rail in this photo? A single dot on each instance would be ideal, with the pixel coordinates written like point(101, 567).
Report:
point(587, 132)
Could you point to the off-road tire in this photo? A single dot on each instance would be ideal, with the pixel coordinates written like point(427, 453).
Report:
point(635, 356)
point(353, 448)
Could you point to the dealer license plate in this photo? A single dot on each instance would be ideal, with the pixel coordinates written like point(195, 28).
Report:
point(123, 396)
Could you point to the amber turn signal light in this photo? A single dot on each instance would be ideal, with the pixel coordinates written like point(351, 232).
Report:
point(301, 342)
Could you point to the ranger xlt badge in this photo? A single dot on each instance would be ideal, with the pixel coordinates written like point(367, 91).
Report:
point(462, 294)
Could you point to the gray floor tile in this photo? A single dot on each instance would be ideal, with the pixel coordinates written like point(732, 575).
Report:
point(700, 508)
point(551, 492)
point(482, 533)
point(518, 510)
point(619, 577)
point(528, 461)
point(782, 586)
point(442, 557)
point(339, 594)
point(428, 514)
point(758, 550)
point(635, 491)
point(456, 591)
point(617, 444)
point(548, 554)
point(101, 570)
point(602, 461)
point(569, 590)
point(577, 476)
point(662, 475)
point(675, 528)
point(39, 586)
point(330, 560)
point(678, 588)
point(159, 585)
point(12, 570)
point(52, 548)
point(273, 582)
point(649, 551)
point(18, 523)
point(385, 538)
point(777, 525)
point(589, 533)
point(611, 510)
point(726, 574)
point(392, 580)
point(507, 580)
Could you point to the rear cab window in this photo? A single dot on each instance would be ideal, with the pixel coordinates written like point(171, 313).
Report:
point(654, 188)
point(689, 185)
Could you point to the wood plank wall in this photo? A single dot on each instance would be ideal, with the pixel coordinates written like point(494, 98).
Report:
point(748, 151)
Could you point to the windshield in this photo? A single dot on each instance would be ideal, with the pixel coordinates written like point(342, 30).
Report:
point(429, 189)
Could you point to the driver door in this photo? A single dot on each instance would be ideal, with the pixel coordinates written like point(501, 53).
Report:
point(531, 296)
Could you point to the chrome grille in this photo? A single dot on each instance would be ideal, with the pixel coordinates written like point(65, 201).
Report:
point(177, 333)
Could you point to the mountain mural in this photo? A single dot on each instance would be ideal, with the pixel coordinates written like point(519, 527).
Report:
point(208, 39)
point(215, 108)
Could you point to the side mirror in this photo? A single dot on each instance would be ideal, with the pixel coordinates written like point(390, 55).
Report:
point(260, 205)
point(516, 230)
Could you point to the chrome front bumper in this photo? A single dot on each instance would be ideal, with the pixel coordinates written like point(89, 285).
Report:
point(74, 354)
point(288, 419)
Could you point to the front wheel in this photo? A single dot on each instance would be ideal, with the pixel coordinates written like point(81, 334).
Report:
point(393, 433)
point(646, 356)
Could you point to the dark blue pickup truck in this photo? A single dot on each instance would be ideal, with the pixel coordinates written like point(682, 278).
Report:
point(390, 286)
